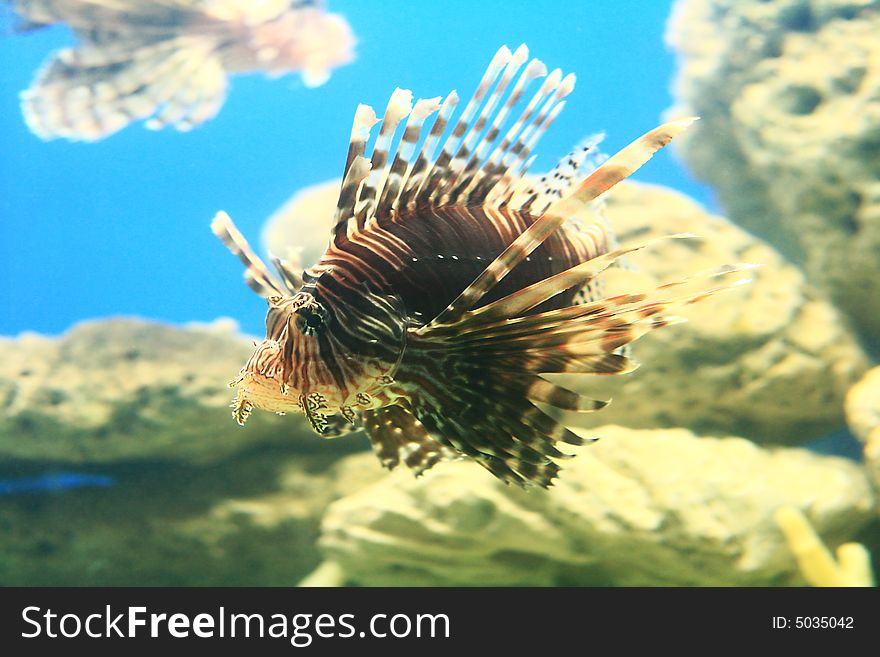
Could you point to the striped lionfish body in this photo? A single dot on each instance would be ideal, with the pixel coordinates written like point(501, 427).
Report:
point(168, 60)
point(445, 293)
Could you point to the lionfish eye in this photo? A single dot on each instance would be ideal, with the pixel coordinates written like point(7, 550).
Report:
point(310, 320)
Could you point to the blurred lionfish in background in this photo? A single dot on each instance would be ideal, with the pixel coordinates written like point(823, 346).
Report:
point(449, 288)
point(168, 60)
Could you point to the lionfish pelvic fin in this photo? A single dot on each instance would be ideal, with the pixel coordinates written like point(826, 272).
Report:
point(398, 436)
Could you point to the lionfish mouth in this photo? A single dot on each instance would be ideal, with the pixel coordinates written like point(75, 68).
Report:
point(255, 390)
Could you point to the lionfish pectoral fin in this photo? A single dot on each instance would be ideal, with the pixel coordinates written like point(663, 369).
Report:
point(628, 160)
point(517, 303)
point(91, 92)
point(488, 408)
point(397, 435)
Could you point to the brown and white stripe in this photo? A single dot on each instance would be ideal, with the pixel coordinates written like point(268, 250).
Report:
point(439, 304)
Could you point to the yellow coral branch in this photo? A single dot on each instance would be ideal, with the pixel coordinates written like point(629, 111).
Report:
point(853, 564)
point(326, 574)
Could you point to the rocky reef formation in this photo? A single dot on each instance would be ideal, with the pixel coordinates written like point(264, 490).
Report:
point(771, 361)
point(790, 131)
point(248, 521)
point(125, 389)
point(863, 415)
point(184, 496)
point(662, 507)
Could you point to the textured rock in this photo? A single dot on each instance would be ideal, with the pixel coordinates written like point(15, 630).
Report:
point(770, 361)
point(863, 415)
point(251, 521)
point(127, 389)
point(789, 95)
point(636, 508)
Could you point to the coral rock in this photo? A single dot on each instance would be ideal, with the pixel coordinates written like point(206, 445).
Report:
point(790, 131)
point(127, 389)
point(659, 507)
point(770, 361)
point(250, 521)
point(863, 415)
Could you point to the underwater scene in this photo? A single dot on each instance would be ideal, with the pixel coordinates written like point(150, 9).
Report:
point(352, 293)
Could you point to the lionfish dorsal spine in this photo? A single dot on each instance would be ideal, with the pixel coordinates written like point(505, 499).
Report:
point(516, 162)
point(399, 106)
point(377, 183)
point(412, 187)
point(615, 169)
point(457, 164)
point(256, 275)
point(439, 171)
point(472, 174)
point(357, 168)
point(493, 167)
point(403, 161)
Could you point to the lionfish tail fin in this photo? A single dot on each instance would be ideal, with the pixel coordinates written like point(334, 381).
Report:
point(89, 92)
point(491, 364)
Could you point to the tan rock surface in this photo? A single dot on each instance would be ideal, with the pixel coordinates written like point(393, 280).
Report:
point(118, 390)
point(250, 521)
point(789, 96)
point(863, 415)
point(637, 508)
point(770, 361)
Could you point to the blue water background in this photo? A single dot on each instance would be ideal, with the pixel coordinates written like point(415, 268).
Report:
point(120, 227)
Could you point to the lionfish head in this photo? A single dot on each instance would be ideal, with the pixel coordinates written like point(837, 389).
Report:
point(320, 358)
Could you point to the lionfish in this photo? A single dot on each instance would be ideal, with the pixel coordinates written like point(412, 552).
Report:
point(168, 60)
point(441, 299)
